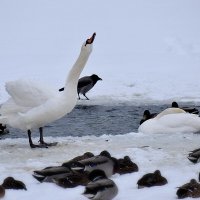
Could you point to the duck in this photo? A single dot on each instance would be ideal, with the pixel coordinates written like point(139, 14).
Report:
point(172, 120)
point(85, 84)
point(126, 165)
point(11, 183)
point(49, 173)
point(32, 106)
point(152, 179)
point(103, 161)
point(147, 115)
point(65, 179)
point(78, 158)
point(100, 187)
point(58, 174)
point(186, 109)
point(71, 180)
point(191, 189)
point(194, 156)
point(2, 192)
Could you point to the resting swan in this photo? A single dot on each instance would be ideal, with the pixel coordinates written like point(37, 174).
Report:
point(172, 120)
point(32, 106)
point(147, 115)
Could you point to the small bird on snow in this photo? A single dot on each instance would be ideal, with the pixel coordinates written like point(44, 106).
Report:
point(85, 84)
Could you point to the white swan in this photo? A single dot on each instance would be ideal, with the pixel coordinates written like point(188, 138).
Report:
point(172, 120)
point(32, 106)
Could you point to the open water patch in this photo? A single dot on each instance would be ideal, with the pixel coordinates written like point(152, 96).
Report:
point(95, 120)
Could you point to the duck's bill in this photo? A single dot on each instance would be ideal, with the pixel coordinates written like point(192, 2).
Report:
point(91, 40)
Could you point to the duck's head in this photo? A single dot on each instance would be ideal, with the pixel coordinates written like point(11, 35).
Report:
point(174, 104)
point(87, 45)
point(146, 116)
point(157, 173)
point(193, 181)
point(105, 153)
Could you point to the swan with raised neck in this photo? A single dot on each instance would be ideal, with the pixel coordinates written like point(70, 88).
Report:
point(26, 110)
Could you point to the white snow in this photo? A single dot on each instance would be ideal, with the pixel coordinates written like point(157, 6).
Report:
point(146, 51)
point(150, 152)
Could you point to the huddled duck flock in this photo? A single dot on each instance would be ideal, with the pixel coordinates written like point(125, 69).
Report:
point(31, 106)
point(94, 173)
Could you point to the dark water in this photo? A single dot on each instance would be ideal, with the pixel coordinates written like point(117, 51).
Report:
point(95, 120)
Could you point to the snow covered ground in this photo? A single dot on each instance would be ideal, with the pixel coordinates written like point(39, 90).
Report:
point(150, 152)
point(146, 51)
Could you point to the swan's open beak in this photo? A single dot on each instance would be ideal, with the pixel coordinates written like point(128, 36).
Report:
point(90, 40)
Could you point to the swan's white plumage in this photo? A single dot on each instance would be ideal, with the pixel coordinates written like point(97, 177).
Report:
point(169, 111)
point(33, 93)
point(32, 105)
point(171, 120)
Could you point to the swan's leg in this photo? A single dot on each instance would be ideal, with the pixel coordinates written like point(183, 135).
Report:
point(31, 142)
point(86, 96)
point(41, 136)
point(41, 141)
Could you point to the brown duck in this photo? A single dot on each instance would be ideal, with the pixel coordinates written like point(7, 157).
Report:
point(152, 179)
point(191, 189)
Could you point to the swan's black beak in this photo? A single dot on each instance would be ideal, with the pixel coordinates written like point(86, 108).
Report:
point(90, 40)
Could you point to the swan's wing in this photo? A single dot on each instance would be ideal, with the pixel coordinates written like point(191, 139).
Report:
point(170, 111)
point(10, 107)
point(172, 123)
point(29, 93)
point(181, 120)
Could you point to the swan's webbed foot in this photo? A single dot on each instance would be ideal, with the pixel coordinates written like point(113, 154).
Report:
point(38, 146)
point(34, 145)
point(42, 143)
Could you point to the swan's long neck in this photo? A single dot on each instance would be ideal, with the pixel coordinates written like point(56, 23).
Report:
point(73, 76)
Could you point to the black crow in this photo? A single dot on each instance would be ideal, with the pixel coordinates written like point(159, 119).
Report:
point(85, 84)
